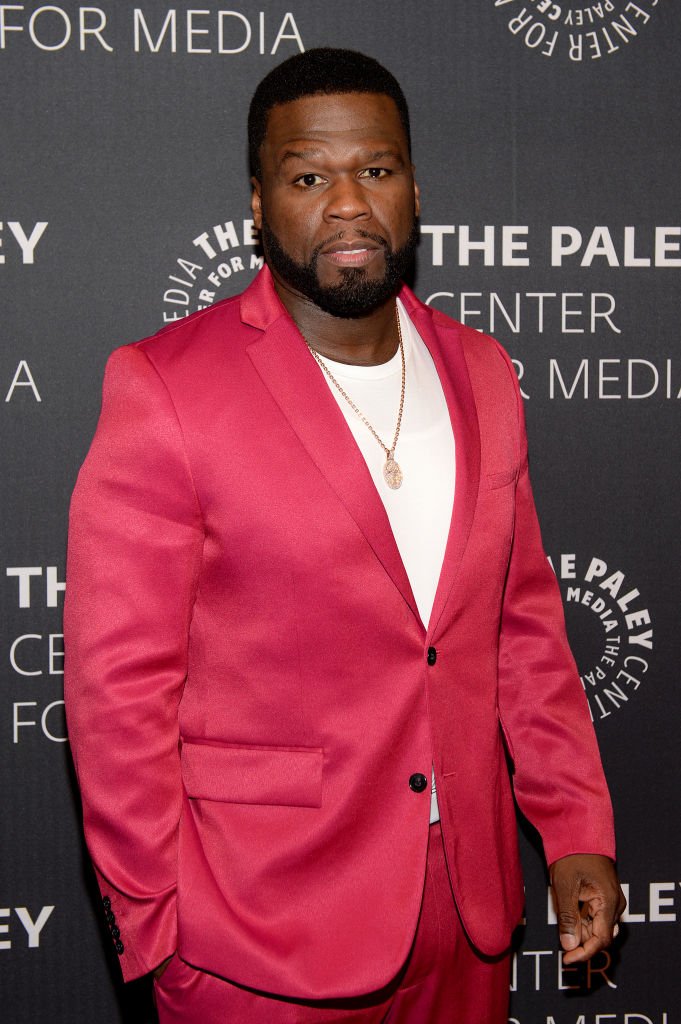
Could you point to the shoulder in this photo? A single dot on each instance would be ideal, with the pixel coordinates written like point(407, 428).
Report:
point(487, 361)
point(186, 348)
point(216, 337)
point(195, 336)
point(482, 363)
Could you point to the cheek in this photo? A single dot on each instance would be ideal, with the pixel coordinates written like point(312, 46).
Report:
point(295, 225)
point(396, 213)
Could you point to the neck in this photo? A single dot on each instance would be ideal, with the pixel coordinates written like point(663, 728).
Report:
point(366, 341)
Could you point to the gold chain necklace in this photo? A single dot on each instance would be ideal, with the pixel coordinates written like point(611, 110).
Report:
point(392, 474)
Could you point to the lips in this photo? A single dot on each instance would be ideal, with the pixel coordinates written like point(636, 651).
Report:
point(351, 252)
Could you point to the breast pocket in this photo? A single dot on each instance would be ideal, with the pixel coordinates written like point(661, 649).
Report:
point(235, 773)
point(506, 476)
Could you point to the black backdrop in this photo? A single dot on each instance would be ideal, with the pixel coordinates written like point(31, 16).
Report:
point(547, 148)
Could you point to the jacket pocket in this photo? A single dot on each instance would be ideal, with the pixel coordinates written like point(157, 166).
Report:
point(507, 476)
point(241, 774)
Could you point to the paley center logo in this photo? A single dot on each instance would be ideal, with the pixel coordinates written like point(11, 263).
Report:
point(215, 264)
point(581, 32)
point(611, 630)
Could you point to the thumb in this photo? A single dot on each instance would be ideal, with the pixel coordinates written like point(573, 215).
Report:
point(568, 938)
point(569, 918)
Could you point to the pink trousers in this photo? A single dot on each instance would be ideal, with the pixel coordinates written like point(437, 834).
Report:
point(444, 981)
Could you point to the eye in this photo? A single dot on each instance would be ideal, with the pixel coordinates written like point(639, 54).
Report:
point(308, 180)
point(375, 173)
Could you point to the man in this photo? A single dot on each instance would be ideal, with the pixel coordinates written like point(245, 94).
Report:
point(305, 575)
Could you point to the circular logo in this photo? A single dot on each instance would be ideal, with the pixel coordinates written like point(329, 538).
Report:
point(610, 630)
point(216, 264)
point(580, 32)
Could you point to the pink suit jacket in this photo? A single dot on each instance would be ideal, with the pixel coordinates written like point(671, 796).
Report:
point(247, 681)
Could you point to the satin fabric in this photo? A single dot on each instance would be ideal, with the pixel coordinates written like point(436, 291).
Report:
point(247, 680)
point(444, 980)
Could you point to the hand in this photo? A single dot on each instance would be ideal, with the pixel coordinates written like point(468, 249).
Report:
point(589, 903)
point(160, 970)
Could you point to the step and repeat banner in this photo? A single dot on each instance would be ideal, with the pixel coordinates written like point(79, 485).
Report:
point(547, 147)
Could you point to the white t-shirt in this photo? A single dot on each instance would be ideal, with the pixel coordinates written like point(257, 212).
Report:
point(420, 511)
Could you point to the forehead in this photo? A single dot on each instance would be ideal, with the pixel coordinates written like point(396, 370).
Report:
point(339, 118)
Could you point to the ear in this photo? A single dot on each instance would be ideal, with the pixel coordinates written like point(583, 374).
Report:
point(256, 203)
point(417, 200)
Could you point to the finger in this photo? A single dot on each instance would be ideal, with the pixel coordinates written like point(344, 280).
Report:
point(604, 922)
point(622, 904)
point(596, 934)
point(594, 944)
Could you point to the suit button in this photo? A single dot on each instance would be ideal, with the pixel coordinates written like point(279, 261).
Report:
point(119, 947)
point(432, 656)
point(418, 782)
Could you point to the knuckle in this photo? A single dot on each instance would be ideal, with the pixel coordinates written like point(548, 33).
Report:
point(567, 919)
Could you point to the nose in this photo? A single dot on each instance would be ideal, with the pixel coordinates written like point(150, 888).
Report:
point(346, 201)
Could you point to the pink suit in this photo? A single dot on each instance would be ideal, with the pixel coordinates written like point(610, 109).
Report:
point(250, 690)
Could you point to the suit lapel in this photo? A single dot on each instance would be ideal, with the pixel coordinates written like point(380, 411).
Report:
point(441, 337)
point(293, 378)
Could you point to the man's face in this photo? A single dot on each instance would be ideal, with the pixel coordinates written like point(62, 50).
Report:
point(336, 202)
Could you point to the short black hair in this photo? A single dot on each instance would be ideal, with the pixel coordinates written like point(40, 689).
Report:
point(323, 70)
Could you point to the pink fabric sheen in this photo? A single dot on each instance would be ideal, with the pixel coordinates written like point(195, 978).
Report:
point(235, 593)
point(252, 775)
point(443, 980)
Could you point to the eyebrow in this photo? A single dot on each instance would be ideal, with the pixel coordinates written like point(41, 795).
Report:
point(311, 154)
point(299, 154)
point(379, 154)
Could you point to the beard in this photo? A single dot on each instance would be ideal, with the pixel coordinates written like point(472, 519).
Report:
point(356, 295)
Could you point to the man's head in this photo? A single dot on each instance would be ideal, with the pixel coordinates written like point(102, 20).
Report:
point(315, 73)
point(333, 188)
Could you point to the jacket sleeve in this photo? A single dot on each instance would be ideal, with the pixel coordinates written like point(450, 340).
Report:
point(558, 782)
point(135, 542)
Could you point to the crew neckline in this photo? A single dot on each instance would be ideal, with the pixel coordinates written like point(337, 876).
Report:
point(351, 371)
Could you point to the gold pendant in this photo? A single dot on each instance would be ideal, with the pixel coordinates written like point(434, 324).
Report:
point(392, 474)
